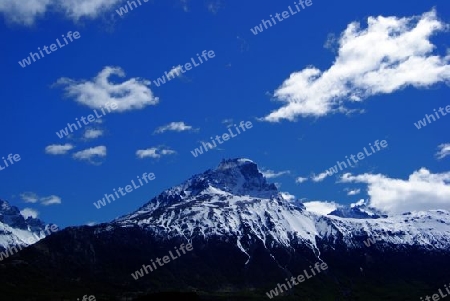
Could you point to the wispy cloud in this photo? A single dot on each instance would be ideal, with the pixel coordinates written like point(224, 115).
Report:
point(154, 152)
point(97, 93)
point(25, 12)
point(214, 6)
point(423, 190)
point(91, 153)
point(353, 192)
point(50, 200)
point(184, 5)
point(300, 180)
point(174, 126)
point(58, 149)
point(175, 72)
point(270, 174)
point(31, 197)
point(320, 177)
point(443, 151)
point(390, 54)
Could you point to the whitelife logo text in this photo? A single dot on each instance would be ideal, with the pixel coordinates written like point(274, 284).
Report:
point(284, 15)
point(71, 126)
point(140, 273)
point(109, 197)
point(360, 156)
point(33, 55)
point(225, 137)
point(176, 71)
point(11, 158)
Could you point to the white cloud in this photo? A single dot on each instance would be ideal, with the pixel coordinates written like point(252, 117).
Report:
point(359, 203)
point(174, 126)
point(90, 153)
point(58, 149)
point(174, 72)
point(50, 200)
point(390, 54)
point(92, 133)
point(300, 180)
point(154, 152)
point(320, 207)
point(98, 93)
point(26, 12)
point(423, 190)
point(29, 197)
point(354, 192)
point(444, 151)
point(76, 9)
point(270, 174)
point(287, 196)
point(320, 177)
point(27, 212)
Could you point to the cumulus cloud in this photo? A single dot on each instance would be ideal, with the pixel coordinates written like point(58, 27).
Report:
point(388, 55)
point(300, 180)
point(92, 133)
point(443, 151)
point(321, 207)
point(29, 212)
point(91, 153)
point(423, 190)
point(31, 197)
point(58, 149)
point(270, 174)
point(100, 92)
point(154, 152)
point(25, 12)
point(174, 126)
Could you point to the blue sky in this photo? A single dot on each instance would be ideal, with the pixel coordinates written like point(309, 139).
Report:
point(314, 90)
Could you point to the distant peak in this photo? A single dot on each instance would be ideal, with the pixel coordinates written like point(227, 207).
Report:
point(11, 216)
point(234, 163)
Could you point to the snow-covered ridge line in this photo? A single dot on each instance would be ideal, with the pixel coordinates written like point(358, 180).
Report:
point(236, 201)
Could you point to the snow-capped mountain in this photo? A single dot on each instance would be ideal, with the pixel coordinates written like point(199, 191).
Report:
point(246, 237)
point(235, 200)
point(16, 230)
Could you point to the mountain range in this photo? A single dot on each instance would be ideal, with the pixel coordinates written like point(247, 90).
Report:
point(246, 237)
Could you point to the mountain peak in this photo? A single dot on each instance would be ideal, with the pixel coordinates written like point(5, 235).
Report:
point(235, 163)
point(16, 229)
point(240, 176)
